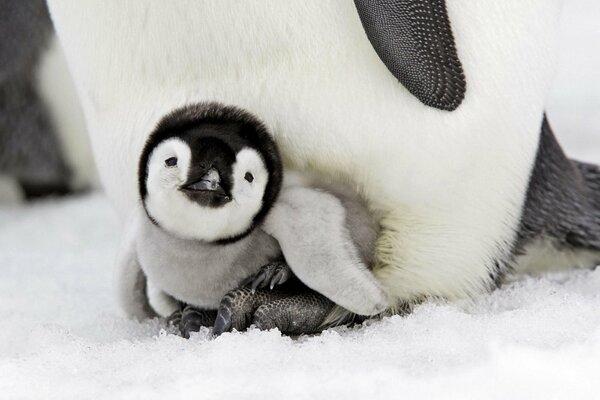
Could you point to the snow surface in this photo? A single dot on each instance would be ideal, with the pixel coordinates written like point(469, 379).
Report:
point(63, 338)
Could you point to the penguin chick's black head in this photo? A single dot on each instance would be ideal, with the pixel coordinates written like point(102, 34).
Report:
point(209, 172)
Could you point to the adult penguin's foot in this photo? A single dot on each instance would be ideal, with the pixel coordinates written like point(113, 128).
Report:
point(191, 319)
point(292, 313)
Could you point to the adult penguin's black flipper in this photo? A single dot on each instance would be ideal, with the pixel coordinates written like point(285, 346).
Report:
point(414, 40)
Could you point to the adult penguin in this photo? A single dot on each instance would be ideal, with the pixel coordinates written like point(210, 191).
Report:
point(432, 109)
point(32, 162)
point(43, 147)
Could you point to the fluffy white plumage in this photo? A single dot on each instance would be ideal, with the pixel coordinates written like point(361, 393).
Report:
point(173, 210)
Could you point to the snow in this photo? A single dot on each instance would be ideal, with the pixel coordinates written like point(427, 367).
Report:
point(63, 338)
point(574, 107)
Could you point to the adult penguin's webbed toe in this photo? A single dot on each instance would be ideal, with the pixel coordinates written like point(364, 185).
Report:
point(174, 320)
point(297, 314)
point(238, 306)
point(191, 319)
point(293, 311)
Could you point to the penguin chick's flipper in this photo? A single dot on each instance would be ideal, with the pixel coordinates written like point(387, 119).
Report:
point(292, 313)
point(310, 226)
point(191, 319)
point(414, 40)
point(130, 281)
point(269, 276)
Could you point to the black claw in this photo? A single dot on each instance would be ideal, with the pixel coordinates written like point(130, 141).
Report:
point(283, 274)
point(174, 320)
point(259, 280)
point(192, 319)
point(222, 323)
point(278, 279)
point(270, 275)
point(265, 283)
point(188, 328)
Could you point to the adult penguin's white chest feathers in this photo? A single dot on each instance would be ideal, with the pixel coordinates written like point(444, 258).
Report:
point(448, 185)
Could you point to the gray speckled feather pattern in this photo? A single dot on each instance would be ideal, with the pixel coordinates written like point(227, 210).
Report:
point(563, 199)
point(414, 40)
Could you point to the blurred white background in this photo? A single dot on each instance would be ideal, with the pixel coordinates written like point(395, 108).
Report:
point(574, 106)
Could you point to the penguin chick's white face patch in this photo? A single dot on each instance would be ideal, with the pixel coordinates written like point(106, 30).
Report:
point(171, 197)
point(250, 178)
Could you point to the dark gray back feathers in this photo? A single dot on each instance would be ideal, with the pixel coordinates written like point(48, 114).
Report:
point(29, 149)
point(563, 199)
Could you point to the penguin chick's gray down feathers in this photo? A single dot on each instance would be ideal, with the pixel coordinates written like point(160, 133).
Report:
point(197, 236)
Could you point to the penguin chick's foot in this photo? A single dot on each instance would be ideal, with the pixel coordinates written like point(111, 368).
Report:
point(292, 313)
point(270, 275)
point(191, 319)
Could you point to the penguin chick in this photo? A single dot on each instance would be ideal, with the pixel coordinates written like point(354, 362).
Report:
point(208, 177)
point(205, 190)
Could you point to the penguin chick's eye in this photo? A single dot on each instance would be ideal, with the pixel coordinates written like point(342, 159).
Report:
point(171, 162)
point(249, 177)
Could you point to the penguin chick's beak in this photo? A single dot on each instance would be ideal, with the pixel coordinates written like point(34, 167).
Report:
point(209, 182)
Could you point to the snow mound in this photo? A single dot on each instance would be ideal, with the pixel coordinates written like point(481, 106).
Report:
point(63, 338)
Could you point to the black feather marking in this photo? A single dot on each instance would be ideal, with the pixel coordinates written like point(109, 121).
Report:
point(563, 199)
point(414, 40)
point(217, 122)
